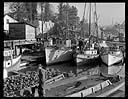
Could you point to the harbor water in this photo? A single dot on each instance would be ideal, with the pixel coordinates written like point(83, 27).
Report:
point(72, 68)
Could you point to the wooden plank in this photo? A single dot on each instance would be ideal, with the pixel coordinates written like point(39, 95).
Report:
point(104, 84)
point(87, 92)
point(96, 88)
point(111, 91)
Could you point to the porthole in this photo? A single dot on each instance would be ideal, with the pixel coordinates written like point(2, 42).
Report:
point(8, 63)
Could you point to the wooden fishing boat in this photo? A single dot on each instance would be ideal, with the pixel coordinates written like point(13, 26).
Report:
point(112, 56)
point(11, 62)
point(58, 55)
point(90, 54)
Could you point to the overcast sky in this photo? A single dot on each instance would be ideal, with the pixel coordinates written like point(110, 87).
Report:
point(108, 12)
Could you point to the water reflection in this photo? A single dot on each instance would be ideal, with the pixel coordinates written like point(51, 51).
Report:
point(72, 66)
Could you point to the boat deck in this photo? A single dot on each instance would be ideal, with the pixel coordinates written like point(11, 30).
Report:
point(64, 88)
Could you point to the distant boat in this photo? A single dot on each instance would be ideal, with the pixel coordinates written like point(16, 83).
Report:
point(112, 56)
point(11, 62)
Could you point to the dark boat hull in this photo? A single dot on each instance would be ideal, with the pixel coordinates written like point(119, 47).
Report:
point(87, 61)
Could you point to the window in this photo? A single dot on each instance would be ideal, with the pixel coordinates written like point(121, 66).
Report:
point(7, 21)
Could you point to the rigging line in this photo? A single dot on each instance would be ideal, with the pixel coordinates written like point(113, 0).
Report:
point(83, 20)
point(84, 11)
point(96, 22)
point(119, 70)
point(87, 12)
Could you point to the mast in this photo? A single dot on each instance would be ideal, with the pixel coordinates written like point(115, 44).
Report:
point(89, 25)
point(83, 20)
point(42, 15)
point(44, 75)
point(67, 23)
point(96, 23)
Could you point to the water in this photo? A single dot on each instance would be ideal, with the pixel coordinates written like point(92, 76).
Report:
point(71, 66)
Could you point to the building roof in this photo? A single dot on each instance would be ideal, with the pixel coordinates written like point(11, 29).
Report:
point(24, 23)
point(10, 15)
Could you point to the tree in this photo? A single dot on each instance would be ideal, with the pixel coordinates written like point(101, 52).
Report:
point(24, 12)
point(60, 9)
point(18, 11)
point(67, 15)
point(47, 13)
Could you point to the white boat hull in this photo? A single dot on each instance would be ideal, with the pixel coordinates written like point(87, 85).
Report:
point(86, 60)
point(111, 59)
point(12, 65)
point(57, 55)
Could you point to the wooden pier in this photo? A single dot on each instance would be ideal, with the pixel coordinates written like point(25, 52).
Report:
point(18, 44)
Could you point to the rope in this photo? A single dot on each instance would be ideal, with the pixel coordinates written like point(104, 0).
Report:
point(119, 70)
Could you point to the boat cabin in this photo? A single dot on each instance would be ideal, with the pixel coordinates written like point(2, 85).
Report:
point(90, 52)
point(8, 55)
point(8, 52)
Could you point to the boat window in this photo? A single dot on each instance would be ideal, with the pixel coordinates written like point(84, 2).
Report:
point(7, 57)
point(8, 63)
point(7, 21)
point(94, 52)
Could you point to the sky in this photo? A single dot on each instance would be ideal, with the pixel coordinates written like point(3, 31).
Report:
point(108, 12)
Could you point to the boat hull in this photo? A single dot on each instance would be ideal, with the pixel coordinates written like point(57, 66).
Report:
point(12, 65)
point(82, 60)
point(109, 59)
point(54, 56)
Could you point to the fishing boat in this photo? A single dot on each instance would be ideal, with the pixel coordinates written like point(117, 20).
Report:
point(56, 55)
point(90, 53)
point(90, 56)
point(111, 57)
point(90, 86)
point(59, 50)
point(11, 61)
